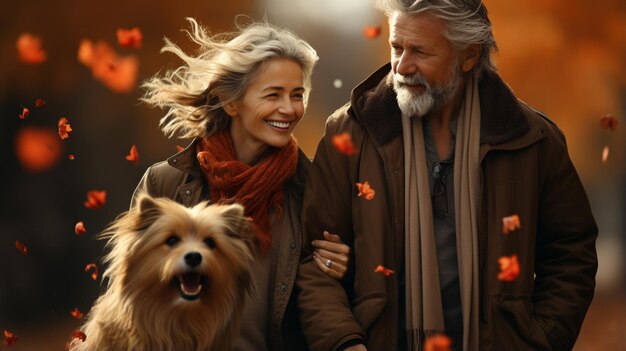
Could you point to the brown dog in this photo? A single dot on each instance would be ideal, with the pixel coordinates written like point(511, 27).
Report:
point(177, 279)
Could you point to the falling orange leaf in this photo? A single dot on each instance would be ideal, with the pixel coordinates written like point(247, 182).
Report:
point(438, 343)
point(29, 49)
point(94, 274)
point(9, 338)
point(605, 154)
point(383, 270)
point(179, 148)
point(71, 157)
point(117, 73)
point(133, 156)
point(96, 199)
point(343, 143)
point(24, 114)
point(371, 32)
point(37, 149)
point(365, 190)
point(39, 102)
point(509, 268)
point(79, 335)
point(76, 313)
point(609, 122)
point(79, 228)
point(129, 38)
point(21, 247)
point(64, 128)
point(510, 224)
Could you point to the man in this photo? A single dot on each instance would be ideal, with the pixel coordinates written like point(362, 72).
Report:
point(450, 151)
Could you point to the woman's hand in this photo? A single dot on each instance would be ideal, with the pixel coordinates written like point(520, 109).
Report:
point(331, 255)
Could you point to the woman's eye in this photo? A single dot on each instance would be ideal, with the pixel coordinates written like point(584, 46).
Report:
point(172, 240)
point(272, 96)
point(210, 243)
point(297, 96)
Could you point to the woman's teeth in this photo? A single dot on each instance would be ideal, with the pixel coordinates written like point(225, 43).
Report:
point(282, 125)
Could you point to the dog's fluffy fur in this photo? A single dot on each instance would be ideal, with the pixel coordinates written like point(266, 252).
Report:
point(160, 254)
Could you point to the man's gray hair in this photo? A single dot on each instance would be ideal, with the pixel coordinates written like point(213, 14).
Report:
point(467, 23)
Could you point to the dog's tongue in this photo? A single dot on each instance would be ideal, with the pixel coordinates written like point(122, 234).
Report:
point(190, 283)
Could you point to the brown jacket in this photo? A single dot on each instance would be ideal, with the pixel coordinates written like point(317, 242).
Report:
point(525, 170)
point(180, 178)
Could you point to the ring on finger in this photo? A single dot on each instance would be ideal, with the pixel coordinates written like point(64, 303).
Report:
point(328, 262)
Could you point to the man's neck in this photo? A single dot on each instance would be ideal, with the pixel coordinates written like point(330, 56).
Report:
point(440, 121)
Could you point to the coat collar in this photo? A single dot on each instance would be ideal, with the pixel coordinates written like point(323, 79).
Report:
point(374, 105)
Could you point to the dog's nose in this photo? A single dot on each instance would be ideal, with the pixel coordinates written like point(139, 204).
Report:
point(193, 259)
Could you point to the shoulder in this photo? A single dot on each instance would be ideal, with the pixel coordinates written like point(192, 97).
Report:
point(540, 120)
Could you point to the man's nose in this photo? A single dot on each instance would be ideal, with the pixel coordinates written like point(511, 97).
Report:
point(406, 65)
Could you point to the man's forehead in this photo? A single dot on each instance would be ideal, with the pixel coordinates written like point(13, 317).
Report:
point(423, 24)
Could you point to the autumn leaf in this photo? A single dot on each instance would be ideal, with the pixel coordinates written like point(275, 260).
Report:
point(129, 38)
point(71, 157)
point(366, 191)
point(94, 274)
point(76, 313)
point(609, 122)
point(605, 154)
point(386, 271)
point(37, 149)
point(510, 224)
point(64, 128)
point(9, 338)
point(21, 247)
point(78, 335)
point(133, 156)
point(509, 268)
point(179, 148)
point(24, 114)
point(96, 199)
point(438, 343)
point(118, 73)
point(39, 102)
point(343, 143)
point(29, 49)
point(371, 32)
point(79, 228)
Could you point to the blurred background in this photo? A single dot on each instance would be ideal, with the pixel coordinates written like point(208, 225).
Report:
point(566, 58)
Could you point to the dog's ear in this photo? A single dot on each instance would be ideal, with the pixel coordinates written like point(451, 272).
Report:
point(148, 212)
point(237, 223)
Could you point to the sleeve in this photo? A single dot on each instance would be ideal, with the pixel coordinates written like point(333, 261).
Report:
point(325, 312)
point(147, 185)
point(566, 260)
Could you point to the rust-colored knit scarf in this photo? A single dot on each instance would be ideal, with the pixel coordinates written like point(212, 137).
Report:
point(258, 188)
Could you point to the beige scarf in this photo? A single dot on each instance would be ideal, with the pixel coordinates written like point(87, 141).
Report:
point(424, 310)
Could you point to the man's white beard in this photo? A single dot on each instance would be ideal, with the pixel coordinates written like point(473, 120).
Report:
point(420, 104)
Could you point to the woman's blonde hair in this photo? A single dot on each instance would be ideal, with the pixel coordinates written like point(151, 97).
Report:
point(194, 94)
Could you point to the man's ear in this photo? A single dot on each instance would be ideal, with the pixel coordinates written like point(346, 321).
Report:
point(469, 57)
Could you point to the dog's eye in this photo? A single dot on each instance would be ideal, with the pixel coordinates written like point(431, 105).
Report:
point(210, 243)
point(172, 240)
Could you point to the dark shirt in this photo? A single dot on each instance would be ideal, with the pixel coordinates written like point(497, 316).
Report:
point(442, 193)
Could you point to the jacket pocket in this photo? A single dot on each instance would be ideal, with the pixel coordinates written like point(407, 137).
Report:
point(367, 308)
point(515, 327)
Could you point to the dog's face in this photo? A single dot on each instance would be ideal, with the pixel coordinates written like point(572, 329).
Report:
point(179, 254)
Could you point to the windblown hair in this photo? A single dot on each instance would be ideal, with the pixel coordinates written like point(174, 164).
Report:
point(467, 23)
point(194, 94)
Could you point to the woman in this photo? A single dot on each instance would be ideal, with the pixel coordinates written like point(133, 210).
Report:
point(240, 100)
